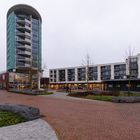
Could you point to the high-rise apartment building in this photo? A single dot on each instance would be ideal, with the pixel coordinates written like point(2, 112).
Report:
point(23, 41)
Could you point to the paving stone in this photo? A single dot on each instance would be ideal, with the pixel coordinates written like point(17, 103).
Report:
point(79, 119)
point(33, 130)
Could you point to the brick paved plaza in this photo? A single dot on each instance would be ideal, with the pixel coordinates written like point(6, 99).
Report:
point(75, 119)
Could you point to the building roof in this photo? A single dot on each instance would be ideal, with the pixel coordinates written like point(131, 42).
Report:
point(26, 9)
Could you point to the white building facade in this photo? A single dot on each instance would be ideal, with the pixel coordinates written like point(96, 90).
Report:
point(96, 75)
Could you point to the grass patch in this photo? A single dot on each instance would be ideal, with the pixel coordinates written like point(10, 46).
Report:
point(10, 118)
point(31, 92)
point(91, 96)
point(99, 97)
point(103, 96)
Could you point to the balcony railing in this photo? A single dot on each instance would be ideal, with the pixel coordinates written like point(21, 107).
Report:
point(23, 59)
point(28, 34)
point(23, 52)
point(24, 47)
point(25, 27)
point(19, 64)
point(23, 39)
point(20, 20)
point(28, 21)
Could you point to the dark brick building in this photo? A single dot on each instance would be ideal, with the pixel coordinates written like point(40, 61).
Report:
point(4, 80)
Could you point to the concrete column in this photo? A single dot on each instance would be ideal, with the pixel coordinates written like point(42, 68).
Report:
point(138, 57)
point(99, 72)
point(87, 78)
point(112, 71)
point(66, 75)
point(39, 77)
point(57, 76)
point(127, 67)
point(76, 75)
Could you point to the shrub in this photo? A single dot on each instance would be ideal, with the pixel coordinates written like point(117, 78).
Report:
point(45, 93)
point(79, 94)
point(99, 97)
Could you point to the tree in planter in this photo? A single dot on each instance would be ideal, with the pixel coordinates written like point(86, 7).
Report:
point(32, 72)
point(44, 69)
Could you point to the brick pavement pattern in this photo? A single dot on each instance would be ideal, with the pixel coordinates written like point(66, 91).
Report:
point(83, 119)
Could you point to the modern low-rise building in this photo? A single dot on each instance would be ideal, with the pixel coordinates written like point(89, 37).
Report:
point(103, 76)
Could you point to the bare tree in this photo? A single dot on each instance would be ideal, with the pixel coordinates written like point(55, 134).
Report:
point(129, 54)
point(86, 64)
point(31, 74)
point(44, 68)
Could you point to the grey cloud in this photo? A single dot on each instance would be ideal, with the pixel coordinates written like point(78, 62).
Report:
point(103, 27)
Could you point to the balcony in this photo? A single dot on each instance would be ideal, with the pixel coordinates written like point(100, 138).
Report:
point(23, 40)
point(20, 33)
point(26, 53)
point(28, 34)
point(27, 21)
point(23, 28)
point(24, 47)
point(21, 64)
point(24, 59)
point(23, 34)
point(27, 46)
point(19, 39)
point(20, 20)
point(27, 28)
point(27, 40)
point(27, 65)
point(23, 21)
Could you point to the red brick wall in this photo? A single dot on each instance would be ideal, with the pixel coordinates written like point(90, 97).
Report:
point(4, 80)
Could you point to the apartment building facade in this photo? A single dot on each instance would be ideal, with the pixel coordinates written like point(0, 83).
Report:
point(103, 76)
point(24, 43)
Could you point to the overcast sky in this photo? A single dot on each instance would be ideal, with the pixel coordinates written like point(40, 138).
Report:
point(71, 28)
